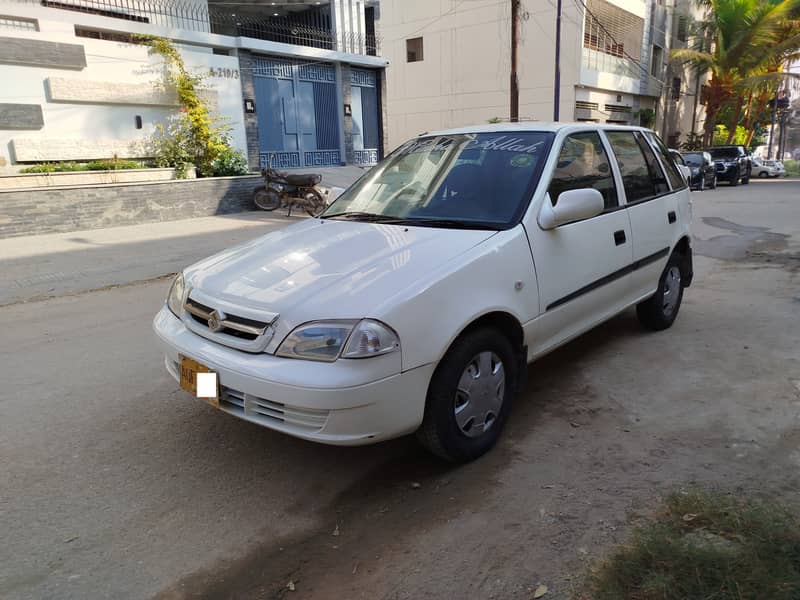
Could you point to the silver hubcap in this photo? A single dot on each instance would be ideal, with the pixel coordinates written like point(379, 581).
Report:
point(672, 288)
point(480, 393)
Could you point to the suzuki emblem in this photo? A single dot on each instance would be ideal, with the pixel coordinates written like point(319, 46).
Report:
point(214, 320)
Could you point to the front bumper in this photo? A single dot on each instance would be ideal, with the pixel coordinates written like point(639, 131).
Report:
point(347, 402)
point(727, 173)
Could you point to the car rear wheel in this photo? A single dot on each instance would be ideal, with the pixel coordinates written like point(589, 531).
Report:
point(661, 309)
point(470, 396)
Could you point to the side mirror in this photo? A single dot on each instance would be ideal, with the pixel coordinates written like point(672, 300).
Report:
point(573, 205)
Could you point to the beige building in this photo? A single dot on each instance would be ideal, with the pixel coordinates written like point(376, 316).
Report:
point(681, 109)
point(450, 62)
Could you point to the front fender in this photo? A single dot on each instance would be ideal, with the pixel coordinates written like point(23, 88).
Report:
point(497, 275)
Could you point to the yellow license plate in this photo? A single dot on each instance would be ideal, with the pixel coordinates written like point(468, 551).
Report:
point(189, 369)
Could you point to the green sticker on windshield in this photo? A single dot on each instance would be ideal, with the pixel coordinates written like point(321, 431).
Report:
point(522, 160)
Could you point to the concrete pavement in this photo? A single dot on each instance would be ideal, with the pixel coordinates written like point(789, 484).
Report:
point(116, 485)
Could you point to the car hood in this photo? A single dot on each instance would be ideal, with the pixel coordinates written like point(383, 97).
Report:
point(328, 269)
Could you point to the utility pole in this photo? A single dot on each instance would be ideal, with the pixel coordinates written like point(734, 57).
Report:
point(557, 78)
point(514, 109)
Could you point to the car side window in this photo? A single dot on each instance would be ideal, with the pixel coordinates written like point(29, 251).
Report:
point(675, 178)
point(583, 163)
point(636, 177)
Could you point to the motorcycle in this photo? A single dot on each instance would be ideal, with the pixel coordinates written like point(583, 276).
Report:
point(282, 190)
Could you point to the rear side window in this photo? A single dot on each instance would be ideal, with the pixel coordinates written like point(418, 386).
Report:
point(583, 163)
point(636, 177)
point(673, 174)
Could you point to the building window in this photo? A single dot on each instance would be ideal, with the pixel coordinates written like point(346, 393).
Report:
point(414, 50)
point(109, 36)
point(17, 24)
point(657, 62)
point(612, 30)
point(682, 32)
point(703, 94)
point(675, 92)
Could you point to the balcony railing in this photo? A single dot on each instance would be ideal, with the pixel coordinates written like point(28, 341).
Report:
point(193, 15)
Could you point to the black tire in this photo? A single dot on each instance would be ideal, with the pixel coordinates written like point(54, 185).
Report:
point(657, 312)
point(266, 199)
point(763, 175)
point(702, 187)
point(440, 431)
point(317, 203)
point(735, 180)
point(746, 179)
point(714, 182)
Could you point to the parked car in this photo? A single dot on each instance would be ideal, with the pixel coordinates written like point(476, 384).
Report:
point(769, 168)
point(703, 172)
point(681, 164)
point(733, 163)
point(416, 300)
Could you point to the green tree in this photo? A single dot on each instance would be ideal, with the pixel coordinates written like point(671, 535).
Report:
point(742, 44)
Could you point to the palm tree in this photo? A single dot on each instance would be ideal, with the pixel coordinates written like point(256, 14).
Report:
point(743, 45)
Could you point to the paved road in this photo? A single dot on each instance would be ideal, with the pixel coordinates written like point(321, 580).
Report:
point(115, 485)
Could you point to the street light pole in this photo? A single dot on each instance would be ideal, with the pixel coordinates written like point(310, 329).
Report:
point(557, 78)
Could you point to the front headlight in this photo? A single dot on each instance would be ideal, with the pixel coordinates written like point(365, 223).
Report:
point(176, 295)
point(328, 340)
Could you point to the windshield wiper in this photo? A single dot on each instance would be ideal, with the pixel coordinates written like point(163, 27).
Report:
point(365, 217)
point(451, 223)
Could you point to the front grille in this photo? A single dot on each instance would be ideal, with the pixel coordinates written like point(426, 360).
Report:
point(269, 413)
point(235, 326)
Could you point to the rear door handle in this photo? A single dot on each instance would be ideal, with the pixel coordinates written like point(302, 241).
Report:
point(619, 237)
point(671, 216)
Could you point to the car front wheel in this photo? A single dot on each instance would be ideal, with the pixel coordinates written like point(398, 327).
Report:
point(714, 182)
point(661, 309)
point(470, 396)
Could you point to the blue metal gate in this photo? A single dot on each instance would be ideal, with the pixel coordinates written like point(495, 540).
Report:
point(366, 128)
point(298, 118)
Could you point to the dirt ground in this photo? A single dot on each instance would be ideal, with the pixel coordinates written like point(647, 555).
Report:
point(606, 425)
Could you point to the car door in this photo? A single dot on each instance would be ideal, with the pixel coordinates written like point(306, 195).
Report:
point(581, 267)
point(651, 205)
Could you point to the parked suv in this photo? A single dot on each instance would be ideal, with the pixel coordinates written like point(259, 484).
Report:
point(415, 302)
point(733, 163)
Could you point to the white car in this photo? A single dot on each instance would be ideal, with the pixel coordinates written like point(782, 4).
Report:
point(769, 168)
point(415, 302)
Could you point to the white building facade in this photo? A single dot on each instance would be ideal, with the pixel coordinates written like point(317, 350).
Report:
point(451, 62)
point(298, 82)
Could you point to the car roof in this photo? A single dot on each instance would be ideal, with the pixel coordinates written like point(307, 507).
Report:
point(530, 126)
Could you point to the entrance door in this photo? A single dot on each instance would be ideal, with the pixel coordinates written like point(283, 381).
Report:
point(366, 128)
point(298, 124)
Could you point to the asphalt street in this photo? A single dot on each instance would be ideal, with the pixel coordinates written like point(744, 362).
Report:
point(117, 485)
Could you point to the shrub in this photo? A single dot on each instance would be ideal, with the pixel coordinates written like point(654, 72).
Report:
point(111, 164)
point(230, 161)
point(792, 167)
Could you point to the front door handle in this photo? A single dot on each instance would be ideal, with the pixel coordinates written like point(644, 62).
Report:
point(619, 237)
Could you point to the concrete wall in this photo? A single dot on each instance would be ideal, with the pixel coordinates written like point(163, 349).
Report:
point(122, 79)
point(73, 209)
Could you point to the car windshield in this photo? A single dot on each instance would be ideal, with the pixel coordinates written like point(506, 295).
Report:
point(477, 180)
point(693, 160)
point(724, 153)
